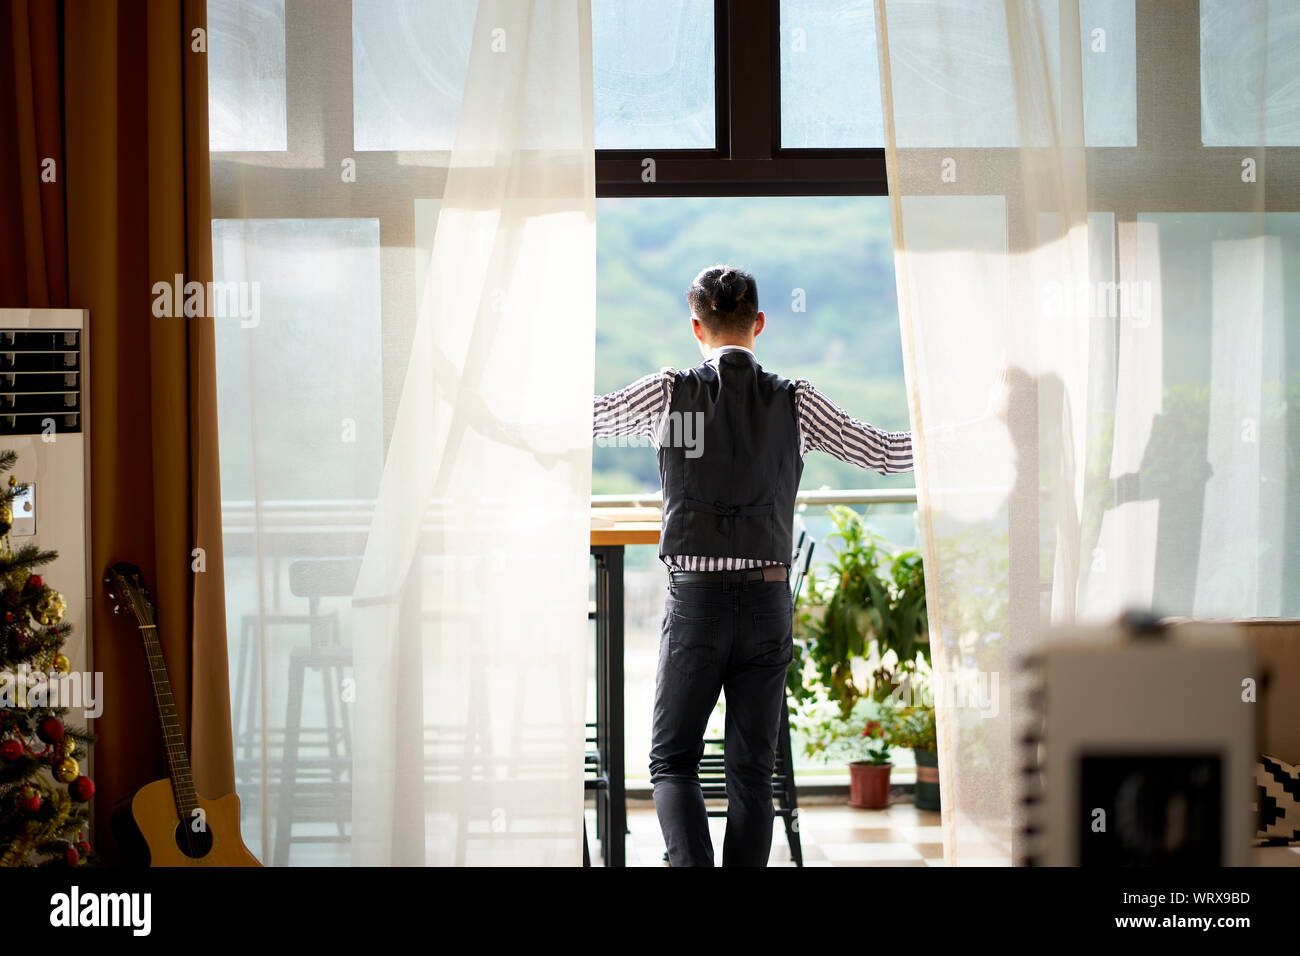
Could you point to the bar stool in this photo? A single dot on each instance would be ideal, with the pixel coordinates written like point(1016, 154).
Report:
point(310, 789)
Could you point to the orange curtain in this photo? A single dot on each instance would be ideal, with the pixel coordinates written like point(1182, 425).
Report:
point(135, 172)
point(33, 241)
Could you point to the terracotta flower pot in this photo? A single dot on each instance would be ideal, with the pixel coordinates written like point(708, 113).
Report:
point(869, 785)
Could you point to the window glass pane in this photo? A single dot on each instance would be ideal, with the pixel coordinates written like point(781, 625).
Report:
point(300, 428)
point(654, 74)
point(830, 86)
point(645, 581)
point(1108, 37)
point(409, 60)
point(1250, 59)
point(825, 272)
point(1226, 323)
point(246, 75)
point(830, 81)
point(311, 353)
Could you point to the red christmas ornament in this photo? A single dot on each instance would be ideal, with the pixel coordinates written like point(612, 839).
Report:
point(71, 856)
point(50, 730)
point(83, 848)
point(11, 749)
point(9, 617)
point(82, 789)
point(34, 581)
point(29, 800)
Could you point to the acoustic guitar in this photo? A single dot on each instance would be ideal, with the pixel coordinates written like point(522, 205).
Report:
point(167, 823)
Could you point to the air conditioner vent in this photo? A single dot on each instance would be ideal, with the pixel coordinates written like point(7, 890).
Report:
point(40, 381)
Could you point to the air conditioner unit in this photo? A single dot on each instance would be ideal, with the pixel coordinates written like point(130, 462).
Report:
point(43, 398)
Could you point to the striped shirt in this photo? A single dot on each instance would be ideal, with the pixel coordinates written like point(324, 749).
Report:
point(638, 409)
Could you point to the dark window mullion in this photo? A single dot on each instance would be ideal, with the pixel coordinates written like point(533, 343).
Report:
point(721, 79)
point(752, 78)
point(683, 175)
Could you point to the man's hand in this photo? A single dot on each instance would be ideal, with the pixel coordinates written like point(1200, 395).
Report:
point(1000, 392)
point(996, 409)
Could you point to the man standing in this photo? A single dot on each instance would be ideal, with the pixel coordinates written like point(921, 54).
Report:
point(732, 438)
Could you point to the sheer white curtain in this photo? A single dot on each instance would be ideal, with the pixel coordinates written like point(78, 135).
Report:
point(406, 427)
point(1103, 192)
point(474, 581)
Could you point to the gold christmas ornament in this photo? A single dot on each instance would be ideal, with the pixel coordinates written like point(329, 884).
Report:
point(66, 770)
point(68, 747)
point(16, 580)
point(62, 665)
point(50, 607)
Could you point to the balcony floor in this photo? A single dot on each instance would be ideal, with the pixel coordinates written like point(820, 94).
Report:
point(832, 834)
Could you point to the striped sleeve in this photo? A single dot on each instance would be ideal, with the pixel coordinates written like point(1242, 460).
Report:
point(824, 426)
point(635, 409)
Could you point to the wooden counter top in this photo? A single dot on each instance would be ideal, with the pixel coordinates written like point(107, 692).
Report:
point(622, 526)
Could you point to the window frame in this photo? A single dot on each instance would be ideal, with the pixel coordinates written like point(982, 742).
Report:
point(748, 158)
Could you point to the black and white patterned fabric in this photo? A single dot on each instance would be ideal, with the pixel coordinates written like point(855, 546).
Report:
point(1277, 794)
point(637, 410)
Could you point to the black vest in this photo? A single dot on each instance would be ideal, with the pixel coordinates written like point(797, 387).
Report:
point(729, 462)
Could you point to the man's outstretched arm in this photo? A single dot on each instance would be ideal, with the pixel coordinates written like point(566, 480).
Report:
point(824, 426)
point(635, 409)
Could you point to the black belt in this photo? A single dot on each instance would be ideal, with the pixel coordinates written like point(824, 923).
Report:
point(772, 572)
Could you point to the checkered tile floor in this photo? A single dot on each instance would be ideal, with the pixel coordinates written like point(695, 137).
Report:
point(832, 834)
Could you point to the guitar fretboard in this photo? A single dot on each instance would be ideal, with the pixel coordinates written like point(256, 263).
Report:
point(178, 759)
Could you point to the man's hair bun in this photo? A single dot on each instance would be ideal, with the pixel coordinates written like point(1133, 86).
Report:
point(725, 295)
point(730, 291)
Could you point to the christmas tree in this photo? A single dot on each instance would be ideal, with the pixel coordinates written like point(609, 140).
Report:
point(43, 795)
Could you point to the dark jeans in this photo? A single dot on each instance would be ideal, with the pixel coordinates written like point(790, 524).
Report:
point(737, 637)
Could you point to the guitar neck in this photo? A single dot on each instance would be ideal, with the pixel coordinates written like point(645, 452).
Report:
point(178, 761)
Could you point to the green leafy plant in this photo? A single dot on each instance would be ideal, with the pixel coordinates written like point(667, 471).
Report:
point(909, 628)
point(915, 728)
point(868, 602)
point(865, 735)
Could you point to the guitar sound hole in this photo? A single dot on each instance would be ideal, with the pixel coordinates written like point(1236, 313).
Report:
point(199, 844)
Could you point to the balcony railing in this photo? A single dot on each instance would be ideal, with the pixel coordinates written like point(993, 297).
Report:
point(350, 517)
point(858, 496)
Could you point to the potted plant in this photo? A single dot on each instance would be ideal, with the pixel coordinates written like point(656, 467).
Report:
point(864, 738)
point(916, 730)
point(843, 618)
point(907, 631)
point(862, 639)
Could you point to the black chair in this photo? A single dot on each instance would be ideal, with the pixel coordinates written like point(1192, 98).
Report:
point(593, 781)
